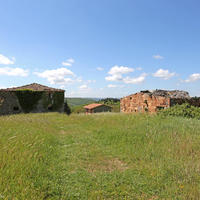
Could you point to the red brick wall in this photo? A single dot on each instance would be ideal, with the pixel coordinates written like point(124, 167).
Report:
point(143, 102)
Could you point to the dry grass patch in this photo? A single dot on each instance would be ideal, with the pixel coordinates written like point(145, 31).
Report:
point(108, 165)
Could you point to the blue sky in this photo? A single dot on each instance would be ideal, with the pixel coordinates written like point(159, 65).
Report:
point(101, 48)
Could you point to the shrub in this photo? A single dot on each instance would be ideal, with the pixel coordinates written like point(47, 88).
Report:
point(184, 110)
point(67, 109)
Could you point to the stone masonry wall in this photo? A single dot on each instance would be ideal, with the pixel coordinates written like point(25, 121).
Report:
point(9, 103)
point(147, 102)
point(143, 102)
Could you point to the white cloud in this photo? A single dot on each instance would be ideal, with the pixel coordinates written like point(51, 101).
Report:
point(193, 78)
point(56, 76)
point(158, 57)
point(8, 71)
point(6, 61)
point(69, 62)
point(136, 80)
point(83, 87)
point(120, 70)
point(116, 73)
point(139, 68)
point(111, 86)
point(79, 79)
point(91, 81)
point(164, 74)
point(100, 68)
point(66, 64)
point(116, 77)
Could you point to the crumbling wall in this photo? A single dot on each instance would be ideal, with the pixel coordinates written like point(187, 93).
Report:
point(143, 102)
point(146, 101)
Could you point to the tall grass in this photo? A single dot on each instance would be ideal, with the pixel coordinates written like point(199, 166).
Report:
point(102, 156)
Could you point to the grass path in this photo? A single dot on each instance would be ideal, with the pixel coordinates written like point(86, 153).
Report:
point(103, 156)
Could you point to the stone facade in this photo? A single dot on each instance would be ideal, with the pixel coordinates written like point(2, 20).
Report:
point(9, 103)
point(146, 101)
point(50, 100)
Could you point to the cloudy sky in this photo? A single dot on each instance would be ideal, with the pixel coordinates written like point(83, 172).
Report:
point(101, 48)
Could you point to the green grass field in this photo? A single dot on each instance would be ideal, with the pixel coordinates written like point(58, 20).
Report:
point(102, 156)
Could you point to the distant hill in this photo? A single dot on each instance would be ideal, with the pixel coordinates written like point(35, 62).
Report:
point(80, 101)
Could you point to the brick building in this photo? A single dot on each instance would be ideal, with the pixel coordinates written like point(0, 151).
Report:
point(152, 101)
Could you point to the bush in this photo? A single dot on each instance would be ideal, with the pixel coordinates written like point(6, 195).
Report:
point(184, 110)
point(67, 109)
point(78, 109)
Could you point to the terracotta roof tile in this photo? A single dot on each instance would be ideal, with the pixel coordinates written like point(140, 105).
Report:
point(93, 105)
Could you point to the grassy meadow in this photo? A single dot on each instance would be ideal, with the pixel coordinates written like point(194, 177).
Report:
point(101, 156)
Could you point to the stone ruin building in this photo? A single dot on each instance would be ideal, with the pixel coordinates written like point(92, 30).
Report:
point(34, 98)
point(152, 101)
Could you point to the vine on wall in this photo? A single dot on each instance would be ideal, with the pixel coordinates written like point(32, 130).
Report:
point(28, 99)
point(58, 98)
point(53, 101)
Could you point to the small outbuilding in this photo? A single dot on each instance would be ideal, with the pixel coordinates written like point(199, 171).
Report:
point(96, 107)
point(32, 98)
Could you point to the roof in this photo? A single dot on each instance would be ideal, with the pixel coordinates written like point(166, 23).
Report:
point(174, 94)
point(168, 93)
point(94, 105)
point(34, 87)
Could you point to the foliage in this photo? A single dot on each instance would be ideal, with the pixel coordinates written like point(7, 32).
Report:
point(67, 109)
point(110, 101)
point(53, 102)
point(100, 156)
point(115, 107)
point(58, 100)
point(79, 101)
point(184, 110)
point(78, 109)
point(76, 104)
point(28, 99)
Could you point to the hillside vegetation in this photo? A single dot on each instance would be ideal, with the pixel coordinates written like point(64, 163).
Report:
point(79, 101)
point(101, 156)
point(114, 103)
point(77, 104)
point(184, 110)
